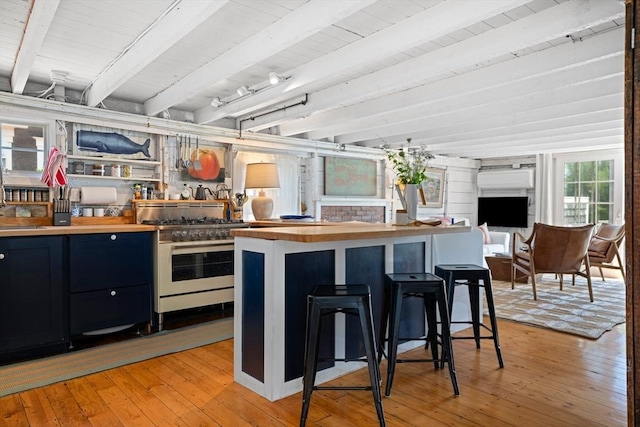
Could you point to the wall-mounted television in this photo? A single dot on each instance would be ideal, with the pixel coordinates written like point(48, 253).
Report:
point(503, 211)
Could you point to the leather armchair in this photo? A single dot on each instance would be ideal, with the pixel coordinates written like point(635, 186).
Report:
point(604, 248)
point(552, 249)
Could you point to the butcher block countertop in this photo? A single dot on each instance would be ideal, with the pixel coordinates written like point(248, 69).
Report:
point(289, 223)
point(347, 231)
point(50, 230)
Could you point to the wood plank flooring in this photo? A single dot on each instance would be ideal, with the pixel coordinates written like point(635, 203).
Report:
point(549, 379)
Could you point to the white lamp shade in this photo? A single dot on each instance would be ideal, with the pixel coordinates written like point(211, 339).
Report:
point(262, 175)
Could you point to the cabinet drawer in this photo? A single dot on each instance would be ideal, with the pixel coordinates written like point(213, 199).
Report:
point(108, 308)
point(108, 260)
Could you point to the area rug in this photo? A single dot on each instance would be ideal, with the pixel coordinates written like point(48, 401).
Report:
point(37, 373)
point(568, 310)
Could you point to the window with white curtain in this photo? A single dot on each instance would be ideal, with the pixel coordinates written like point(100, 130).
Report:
point(286, 199)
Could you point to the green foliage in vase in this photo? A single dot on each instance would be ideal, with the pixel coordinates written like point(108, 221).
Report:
point(410, 165)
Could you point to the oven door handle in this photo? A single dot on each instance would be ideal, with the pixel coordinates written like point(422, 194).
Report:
point(185, 250)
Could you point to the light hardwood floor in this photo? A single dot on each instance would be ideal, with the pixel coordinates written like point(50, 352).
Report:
point(549, 379)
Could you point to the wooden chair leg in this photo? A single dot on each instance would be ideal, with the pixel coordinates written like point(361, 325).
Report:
point(533, 286)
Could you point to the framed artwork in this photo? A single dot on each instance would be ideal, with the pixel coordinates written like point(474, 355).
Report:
point(349, 177)
point(98, 141)
point(212, 164)
point(433, 188)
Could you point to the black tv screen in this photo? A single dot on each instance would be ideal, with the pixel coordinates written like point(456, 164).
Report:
point(503, 211)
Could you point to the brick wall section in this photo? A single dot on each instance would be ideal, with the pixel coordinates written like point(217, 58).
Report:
point(352, 213)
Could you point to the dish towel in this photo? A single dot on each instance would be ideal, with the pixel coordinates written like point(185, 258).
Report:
point(53, 172)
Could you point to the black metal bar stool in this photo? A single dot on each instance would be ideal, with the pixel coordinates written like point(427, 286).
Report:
point(328, 300)
point(471, 275)
point(432, 289)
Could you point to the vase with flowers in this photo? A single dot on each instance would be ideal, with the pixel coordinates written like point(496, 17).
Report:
point(410, 166)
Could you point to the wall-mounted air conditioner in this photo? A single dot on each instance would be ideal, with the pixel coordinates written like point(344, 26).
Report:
point(503, 179)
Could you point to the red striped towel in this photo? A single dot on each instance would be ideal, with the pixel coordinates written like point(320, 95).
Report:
point(53, 173)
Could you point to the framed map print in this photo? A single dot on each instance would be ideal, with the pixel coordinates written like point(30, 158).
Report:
point(349, 177)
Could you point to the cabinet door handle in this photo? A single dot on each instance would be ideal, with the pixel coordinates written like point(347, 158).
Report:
point(113, 237)
point(113, 293)
point(1, 256)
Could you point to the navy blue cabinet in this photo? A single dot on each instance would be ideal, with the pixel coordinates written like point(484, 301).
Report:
point(110, 280)
point(33, 295)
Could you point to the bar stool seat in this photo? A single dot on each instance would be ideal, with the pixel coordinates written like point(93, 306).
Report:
point(471, 275)
point(352, 300)
point(431, 288)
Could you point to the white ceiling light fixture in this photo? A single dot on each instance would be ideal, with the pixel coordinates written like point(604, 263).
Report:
point(216, 102)
point(243, 90)
point(275, 78)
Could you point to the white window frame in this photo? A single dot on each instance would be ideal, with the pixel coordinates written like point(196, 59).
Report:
point(560, 160)
point(49, 136)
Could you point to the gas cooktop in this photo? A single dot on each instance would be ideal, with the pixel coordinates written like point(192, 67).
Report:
point(189, 222)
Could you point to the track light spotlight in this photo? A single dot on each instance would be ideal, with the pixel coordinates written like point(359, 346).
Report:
point(274, 78)
point(216, 102)
point(243, 90)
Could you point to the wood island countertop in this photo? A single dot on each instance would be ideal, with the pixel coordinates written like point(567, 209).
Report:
point(350, 231)
point(50, 230)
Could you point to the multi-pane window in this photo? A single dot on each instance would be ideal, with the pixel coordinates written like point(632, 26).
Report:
point(588, 192)
point(22, 147)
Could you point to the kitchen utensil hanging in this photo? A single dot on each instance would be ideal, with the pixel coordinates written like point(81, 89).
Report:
point(178, 151)
point(183, 148)
point(188, 162)
point(196, 163)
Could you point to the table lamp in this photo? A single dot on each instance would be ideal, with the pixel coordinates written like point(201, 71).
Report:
point(262, 175)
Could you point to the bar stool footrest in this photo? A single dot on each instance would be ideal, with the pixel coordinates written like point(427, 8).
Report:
point(419, 360)
point(346, 387)
point(331, 359)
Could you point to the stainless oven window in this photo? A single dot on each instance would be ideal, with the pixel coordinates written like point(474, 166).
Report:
point(201, 265)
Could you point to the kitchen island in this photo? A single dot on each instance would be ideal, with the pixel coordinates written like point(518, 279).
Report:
point(275, 269)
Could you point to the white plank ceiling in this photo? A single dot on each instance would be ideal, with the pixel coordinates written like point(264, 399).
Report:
point(476, 79)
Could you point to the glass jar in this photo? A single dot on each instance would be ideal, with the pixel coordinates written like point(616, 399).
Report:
point(115, 170)
point(78, 168)
point(137, 191)
point(126, 171)
point(98, 169)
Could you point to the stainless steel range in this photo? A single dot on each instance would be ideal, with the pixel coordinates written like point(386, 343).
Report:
point(193, 256)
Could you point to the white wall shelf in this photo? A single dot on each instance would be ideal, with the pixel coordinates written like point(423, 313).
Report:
point(95, 159)
point(119, 178)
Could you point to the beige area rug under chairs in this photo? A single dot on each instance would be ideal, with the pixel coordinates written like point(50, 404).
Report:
point(568, 310)
point(40, 372)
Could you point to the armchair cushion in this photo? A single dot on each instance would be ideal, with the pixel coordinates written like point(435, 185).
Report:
point(500, 238)
point(498, 243)
point(598, 247)
point(485, 233)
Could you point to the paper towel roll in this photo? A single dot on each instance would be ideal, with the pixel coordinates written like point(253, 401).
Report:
point(98, 195)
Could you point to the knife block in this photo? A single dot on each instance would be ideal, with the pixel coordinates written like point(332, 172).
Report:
point(61, 218)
